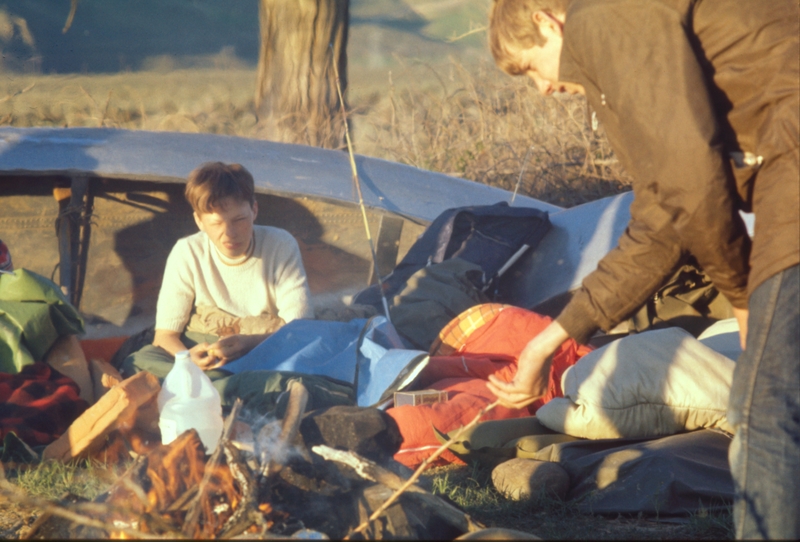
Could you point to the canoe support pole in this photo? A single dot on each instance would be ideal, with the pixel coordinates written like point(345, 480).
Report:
point(389, 231)
point(72, 228)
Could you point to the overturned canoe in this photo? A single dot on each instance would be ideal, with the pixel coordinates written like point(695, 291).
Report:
point(98, 211)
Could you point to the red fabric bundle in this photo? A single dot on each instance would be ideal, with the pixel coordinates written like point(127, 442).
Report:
point(492, 348)
point(38, 404)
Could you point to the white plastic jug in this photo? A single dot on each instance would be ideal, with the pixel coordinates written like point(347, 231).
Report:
point(188, 400)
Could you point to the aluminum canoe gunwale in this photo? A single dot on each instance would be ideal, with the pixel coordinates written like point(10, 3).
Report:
point(278, 168)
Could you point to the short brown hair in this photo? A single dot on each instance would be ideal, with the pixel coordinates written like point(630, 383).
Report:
point(511, 27)
point(215, 181)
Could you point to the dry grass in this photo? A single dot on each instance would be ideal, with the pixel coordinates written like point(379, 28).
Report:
point(186, 100)
point(485, 126)
point(475, 122)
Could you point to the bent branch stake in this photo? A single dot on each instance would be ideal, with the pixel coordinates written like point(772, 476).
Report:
point(357, 184)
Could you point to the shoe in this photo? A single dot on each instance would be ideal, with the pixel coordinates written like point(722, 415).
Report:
point(521, 479)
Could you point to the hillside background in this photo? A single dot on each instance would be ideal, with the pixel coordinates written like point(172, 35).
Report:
point(109, 36)
point(422, 86)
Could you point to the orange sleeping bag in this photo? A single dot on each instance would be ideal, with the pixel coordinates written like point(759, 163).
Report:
point(490, 344)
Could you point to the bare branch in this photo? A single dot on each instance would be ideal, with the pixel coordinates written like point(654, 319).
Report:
point(72, 9)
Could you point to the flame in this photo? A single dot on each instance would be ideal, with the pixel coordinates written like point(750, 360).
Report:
point(121, 445)
point(172, 473)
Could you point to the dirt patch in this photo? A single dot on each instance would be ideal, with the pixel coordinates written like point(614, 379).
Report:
point(15, 520)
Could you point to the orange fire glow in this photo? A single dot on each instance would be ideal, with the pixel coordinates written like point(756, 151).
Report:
point(168, 486)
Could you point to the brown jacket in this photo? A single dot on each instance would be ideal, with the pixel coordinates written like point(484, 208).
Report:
point(700, 101)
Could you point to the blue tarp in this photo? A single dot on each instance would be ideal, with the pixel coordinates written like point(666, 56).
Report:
point(366, 353)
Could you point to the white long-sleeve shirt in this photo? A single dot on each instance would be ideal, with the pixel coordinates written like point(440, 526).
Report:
point(273, 280)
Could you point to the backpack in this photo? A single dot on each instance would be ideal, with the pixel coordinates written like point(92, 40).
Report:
point(687, 300)
point(489, 236)
point(432, 297)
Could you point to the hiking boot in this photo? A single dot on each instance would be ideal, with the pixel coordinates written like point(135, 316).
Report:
point(520, 479)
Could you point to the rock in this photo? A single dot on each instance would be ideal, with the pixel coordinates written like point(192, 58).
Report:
point(367, 431)
point(519, 479)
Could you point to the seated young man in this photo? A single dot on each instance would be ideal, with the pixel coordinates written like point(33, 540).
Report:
point(246, 278)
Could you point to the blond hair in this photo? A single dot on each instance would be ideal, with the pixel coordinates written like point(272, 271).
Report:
point(212, 182)
point(511, 28)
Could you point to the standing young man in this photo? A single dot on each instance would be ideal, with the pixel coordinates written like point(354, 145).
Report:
point(700, 102)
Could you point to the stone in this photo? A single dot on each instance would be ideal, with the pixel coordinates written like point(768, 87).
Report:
point(521, 479)
point(368, 432)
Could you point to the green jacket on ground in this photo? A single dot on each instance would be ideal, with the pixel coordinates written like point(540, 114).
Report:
point(700, 101)
point(33, 315)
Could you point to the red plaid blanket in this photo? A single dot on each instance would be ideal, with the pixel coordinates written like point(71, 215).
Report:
point(38, 404)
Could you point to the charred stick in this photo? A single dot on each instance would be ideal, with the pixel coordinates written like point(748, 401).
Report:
point(36, 525)
point(196, 506)
point(421, 469)
point(6, 533)
point(136, 489)
point(135, 471)
point(182, 502)
point(246, 514)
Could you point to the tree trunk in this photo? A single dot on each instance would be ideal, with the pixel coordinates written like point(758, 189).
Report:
point(296, 98)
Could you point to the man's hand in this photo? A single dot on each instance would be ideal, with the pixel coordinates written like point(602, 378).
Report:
point(232, 347)
point(533, 370)
point(529, 383)
point(203, 357)
point(741, 317)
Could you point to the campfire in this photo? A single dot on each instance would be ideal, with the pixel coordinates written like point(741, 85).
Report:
point(269, 479)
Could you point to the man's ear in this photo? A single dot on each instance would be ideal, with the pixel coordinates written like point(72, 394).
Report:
point(255, 210)
point(547, 23)
point(198, 221)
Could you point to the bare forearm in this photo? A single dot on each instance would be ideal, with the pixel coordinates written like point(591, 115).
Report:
point(169, 341)
point(550, 339)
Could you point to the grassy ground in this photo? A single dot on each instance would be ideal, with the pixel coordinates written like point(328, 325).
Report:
point(471, 488)
point(467, 486)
